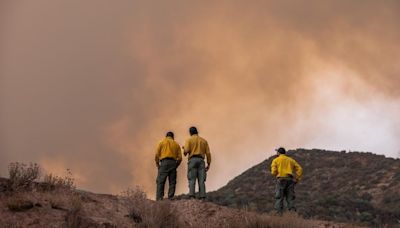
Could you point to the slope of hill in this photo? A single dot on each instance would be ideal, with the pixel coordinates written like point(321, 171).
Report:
point(44, 205)
point(337, 186)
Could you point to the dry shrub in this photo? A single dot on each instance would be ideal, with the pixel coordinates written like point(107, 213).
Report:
point(146, 213)
point(11, 224)
point(58, 201)
point(290, 220)
point(138, 204)
point(21, 175)
point(74, 217)
point(18, 202)
point(67, 201)
point(62, 199)
point(253, 220)
point(52, 181)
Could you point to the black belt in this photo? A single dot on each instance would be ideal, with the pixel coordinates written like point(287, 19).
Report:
point(168, 159)
point(289, 178)
point(197, 156)
point(285, 178)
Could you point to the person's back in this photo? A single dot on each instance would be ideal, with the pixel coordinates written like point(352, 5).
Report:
point(288, 172)
point(285, 166)
point(169, 148)
point(168, 157)
point(197, 148)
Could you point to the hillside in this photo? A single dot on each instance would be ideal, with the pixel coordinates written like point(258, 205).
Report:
point(47, 205)
point(337, 186)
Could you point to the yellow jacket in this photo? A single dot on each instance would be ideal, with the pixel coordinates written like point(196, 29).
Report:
point(196, 145)
point(284, 166)
point(168, 148)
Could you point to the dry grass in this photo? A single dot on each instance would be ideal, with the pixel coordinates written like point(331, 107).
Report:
point(146, 213)
point(18, 203)
point(203, 214)
point(57, 191)
point(57, 182)
point(59, 194)
point(12, 224)
point(253, 220)
point(74, 214)
point(25, 176)
point(21, 176)
point(57, 200)
point(194, 213)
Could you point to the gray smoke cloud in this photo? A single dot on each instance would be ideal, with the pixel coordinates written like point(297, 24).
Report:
point(93, 85)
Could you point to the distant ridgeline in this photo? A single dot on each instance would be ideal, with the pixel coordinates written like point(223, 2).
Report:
point(338, 186)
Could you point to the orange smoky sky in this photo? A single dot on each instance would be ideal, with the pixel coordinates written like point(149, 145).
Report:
point(93, 85)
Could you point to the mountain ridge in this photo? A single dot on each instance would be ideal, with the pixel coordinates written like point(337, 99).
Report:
point(337, 186)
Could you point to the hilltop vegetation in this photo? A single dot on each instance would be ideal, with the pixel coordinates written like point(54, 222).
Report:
point(345, 187)
point(26, 200)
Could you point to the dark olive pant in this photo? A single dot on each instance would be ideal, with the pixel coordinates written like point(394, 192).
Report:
point(285, 191)
point(167, 169)
point(197, 171)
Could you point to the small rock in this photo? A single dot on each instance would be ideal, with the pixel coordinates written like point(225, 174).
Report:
point(20, 205)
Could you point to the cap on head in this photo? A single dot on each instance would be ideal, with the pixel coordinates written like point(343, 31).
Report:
point(193, 131)
point(170, 134)
point(281, 150)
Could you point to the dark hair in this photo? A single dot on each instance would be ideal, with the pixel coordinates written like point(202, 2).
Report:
point(170, 134)
point(281, 150)
point(193, 131)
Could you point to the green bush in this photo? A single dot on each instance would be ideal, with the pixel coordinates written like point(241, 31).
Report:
point(396, 177)
point(366, 217)
point(366, 196)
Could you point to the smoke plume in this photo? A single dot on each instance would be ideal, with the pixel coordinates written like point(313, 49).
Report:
point(94, 85)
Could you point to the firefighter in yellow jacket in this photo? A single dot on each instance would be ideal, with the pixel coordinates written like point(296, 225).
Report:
point(197, 148)
point(287, 172)
point(168, 158)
